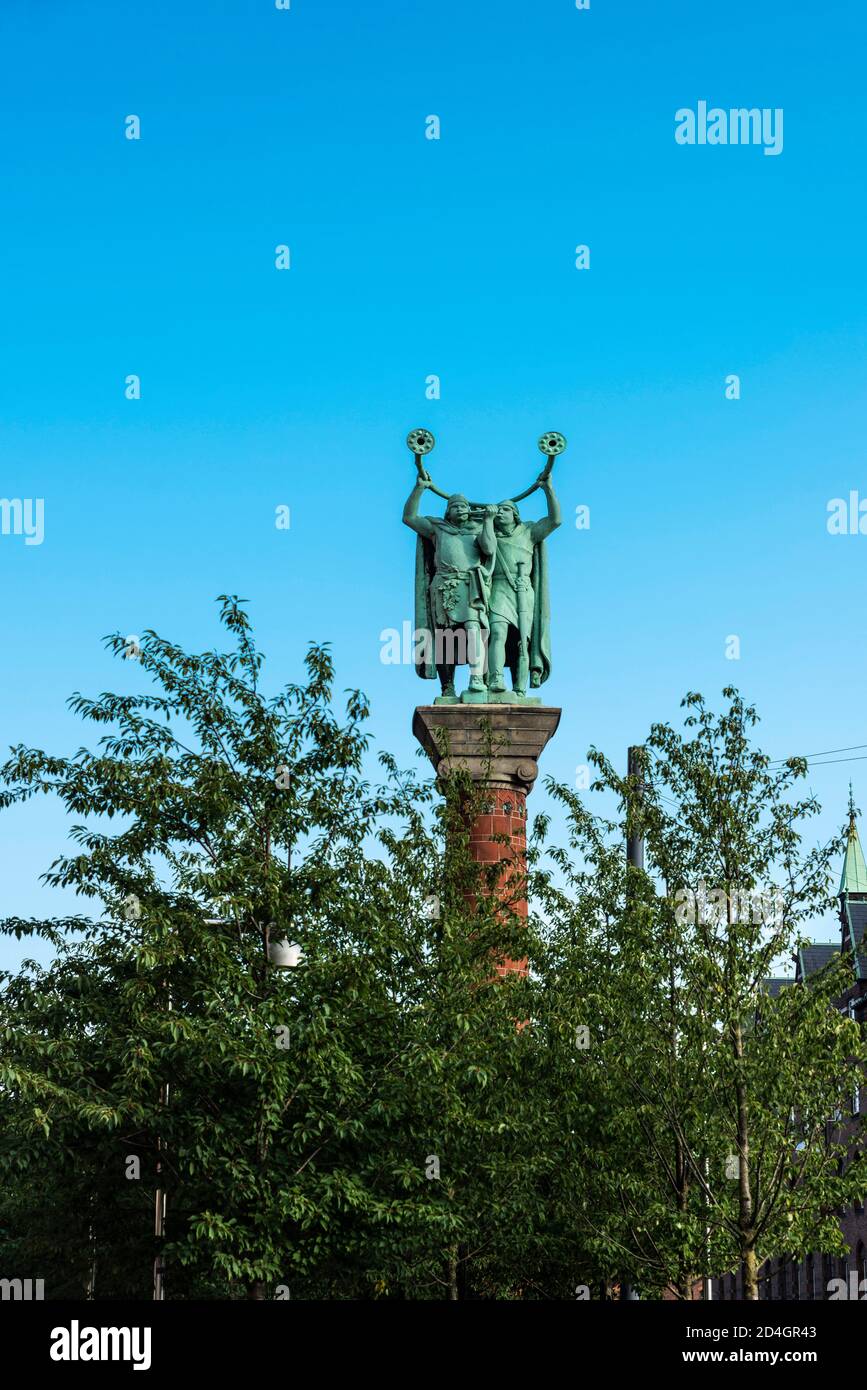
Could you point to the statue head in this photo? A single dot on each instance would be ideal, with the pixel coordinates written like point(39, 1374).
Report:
point(458, 509)
point(507, 518)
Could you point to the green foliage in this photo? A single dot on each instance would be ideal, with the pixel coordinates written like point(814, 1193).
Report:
point(242, 819)
point(715, 1139)
point(388, 1118)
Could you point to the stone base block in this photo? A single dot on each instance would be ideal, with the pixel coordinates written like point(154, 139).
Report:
point(498, 744)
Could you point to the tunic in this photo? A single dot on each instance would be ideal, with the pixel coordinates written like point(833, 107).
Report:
point(513, 550)
point(459, 589)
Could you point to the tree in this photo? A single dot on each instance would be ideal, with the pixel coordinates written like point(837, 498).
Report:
point(627, 1200)
point(746, 1086)
point(289, 1115)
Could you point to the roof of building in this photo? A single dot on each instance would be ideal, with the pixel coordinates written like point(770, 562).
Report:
point(854, 924)
point(813, 958)
point(856, 921)
point(854, 876)
point(777, 984)
point(853, 914)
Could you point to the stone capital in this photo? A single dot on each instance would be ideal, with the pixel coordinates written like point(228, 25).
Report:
point(498, 745)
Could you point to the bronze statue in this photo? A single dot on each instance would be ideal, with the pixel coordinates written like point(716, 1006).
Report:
point(481, 590)
point(454, 566)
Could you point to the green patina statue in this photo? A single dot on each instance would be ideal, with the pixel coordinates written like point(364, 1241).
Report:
point(481, 588)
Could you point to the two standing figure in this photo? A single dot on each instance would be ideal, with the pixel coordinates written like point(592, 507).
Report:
point(481, 593)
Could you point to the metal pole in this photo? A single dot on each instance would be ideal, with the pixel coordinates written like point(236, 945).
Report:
point(635, 857)
point(634, 842)
point(160, 1197)
point(707, 1290)
point(160, 1214)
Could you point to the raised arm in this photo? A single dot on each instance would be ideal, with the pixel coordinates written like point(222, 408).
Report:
point(487, 541)
point(422, 524)
point(549, 523)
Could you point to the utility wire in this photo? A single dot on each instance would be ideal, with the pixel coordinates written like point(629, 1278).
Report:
point(827, 753)
point(832, 761)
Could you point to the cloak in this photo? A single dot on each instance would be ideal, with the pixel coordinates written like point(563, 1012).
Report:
point(540, 632)
point(425, 569)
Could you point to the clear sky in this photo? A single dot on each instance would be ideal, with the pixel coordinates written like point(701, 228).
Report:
point(456, 257)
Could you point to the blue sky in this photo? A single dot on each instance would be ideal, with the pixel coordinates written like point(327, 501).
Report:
point(456, 257)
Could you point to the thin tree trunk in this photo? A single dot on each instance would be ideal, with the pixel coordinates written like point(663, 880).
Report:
point(453, 1273)
point(686, 1278)
point(90, 1291)
point(745, 1212)
point(751, 1276)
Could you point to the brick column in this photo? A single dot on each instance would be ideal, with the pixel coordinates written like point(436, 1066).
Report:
point(498, 745)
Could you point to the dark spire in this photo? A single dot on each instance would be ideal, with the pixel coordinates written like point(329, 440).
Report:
point(854, 876)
